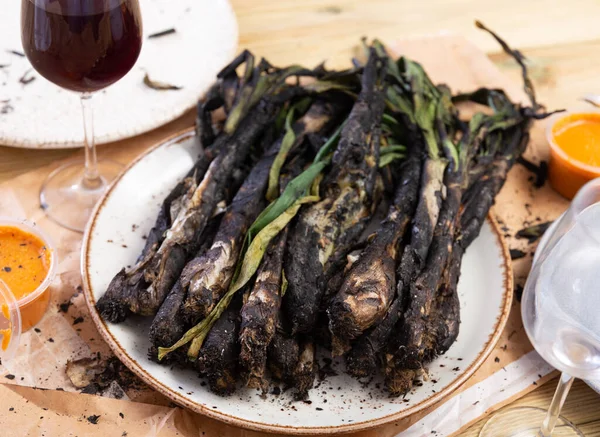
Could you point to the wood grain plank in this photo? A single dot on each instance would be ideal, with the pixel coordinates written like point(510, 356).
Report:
point(582, 407)
point(328, 30)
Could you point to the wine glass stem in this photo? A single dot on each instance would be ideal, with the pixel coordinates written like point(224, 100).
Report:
point(91, 177)
point(564, 385)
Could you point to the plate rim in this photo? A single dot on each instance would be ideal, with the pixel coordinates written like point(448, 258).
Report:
point(181, 400)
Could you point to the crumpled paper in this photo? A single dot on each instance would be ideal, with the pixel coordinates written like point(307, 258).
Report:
point(511, 370)
point(66, 332)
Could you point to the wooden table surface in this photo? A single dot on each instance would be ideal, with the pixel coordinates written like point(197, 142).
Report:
point(561, 42)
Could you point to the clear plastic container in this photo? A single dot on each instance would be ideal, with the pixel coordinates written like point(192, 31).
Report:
point(10, 324)
point(33, 305)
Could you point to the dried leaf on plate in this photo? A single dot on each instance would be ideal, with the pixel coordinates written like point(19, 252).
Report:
point(162, 33)
point(160, 86)
point(27, 78)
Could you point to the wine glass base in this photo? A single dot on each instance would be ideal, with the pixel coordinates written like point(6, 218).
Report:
point(525, 422)
point(68, 200)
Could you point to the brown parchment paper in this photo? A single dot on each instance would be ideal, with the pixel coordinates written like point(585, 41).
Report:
point(67, 333)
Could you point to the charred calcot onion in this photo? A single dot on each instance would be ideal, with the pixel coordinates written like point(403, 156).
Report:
point(262, 256)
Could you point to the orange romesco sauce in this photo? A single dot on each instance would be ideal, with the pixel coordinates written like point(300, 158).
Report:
point(24, 260)
point(578, 135)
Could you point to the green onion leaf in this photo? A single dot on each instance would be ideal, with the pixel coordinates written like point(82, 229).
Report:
point(249, 265)
point(300, 190)
point(389, 158)
point(288, 142)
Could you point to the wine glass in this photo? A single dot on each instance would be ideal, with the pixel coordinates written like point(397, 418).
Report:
point(560, 314)
point(82, 46)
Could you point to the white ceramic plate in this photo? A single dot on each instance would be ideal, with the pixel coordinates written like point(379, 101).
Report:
point(43, 116)
point(594, 384)
point(339, 404)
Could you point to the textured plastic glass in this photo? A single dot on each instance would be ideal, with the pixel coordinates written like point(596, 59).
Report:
point(560, 314)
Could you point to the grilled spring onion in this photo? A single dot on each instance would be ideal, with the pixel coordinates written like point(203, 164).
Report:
point(270, 222)
point(351, 192)
point(207, 278)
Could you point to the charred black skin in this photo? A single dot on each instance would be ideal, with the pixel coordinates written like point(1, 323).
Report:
point(422, 231)
point(282, 356)
point(126, 295)
point(490, 184)
point(441, 329)
point(447, 325)
point(245, 207)
point(413, 339)
point(235, 153)
point(129, 287)
point(218, 358)
point(414, 256)
point(258, 317)
point(445, 319)
point(259, 314)
point(114, 304)
point(361, 298)
point(292, 360)
point(359, 141)
point(204, 114)
point(168, 325)
point(410, 348)
point(362, 360)
point(302, 269)
point(306, 369)
point(336, 269)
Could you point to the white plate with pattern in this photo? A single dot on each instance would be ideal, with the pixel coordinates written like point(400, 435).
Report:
point(339, 403)
point(41, 115)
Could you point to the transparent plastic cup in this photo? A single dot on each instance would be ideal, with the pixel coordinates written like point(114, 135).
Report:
point(32, 306)
point(10, 324)
point(559, 309)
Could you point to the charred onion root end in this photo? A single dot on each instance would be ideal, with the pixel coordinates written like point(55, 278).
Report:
point(177, 358)
point(399, 382)
point(194, 309)
point(343, 327)
point(253, 358)
point(362, 362)
point(223, 384)
point(112, 310)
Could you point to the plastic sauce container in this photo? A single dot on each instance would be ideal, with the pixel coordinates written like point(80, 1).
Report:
point(574, 140)
point(10, 324)
point(27, 281)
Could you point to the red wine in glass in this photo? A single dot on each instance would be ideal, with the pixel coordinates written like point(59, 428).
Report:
point(82, 46)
